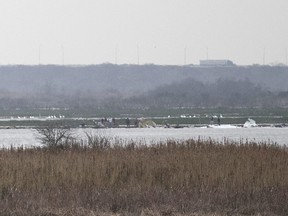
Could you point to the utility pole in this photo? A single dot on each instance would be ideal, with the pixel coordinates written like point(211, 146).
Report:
point(116, 54)
point(62, 49)
point(264, 56)
point(138, 54)
point(286, 56)
point(39, 55)
point(185, 49)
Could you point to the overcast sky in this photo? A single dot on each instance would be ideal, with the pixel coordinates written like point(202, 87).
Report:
point(153, 31)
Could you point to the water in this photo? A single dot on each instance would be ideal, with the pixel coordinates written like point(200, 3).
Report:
point(28, 137)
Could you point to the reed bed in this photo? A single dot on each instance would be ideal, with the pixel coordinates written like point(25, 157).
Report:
point(191, 177)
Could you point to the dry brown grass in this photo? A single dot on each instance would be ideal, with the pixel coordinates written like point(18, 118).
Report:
point(175, 178)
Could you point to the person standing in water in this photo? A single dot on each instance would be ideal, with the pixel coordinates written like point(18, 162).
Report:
point(128, 122)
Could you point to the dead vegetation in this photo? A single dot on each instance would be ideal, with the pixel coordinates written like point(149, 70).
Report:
point(193, 177)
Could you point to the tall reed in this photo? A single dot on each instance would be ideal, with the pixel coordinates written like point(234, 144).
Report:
point(187, 176)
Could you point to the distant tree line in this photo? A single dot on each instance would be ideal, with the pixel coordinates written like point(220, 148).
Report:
point(188, 93)
point(223, 93)
point(130, 86)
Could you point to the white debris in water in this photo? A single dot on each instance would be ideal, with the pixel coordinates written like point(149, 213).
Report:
point(225, 126)
point(250, 123)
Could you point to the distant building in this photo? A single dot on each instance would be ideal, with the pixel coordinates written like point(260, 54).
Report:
point(223, 62)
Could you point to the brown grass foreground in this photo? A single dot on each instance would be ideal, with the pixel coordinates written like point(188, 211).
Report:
point(193, 177)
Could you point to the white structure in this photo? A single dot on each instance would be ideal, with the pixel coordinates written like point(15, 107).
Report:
point(250, 123)
point(223, 62)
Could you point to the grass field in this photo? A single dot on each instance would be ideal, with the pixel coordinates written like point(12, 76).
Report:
point(193, 177)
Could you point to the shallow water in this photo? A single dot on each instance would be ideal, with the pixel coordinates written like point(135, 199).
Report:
point(278, 135)
point(28, 137)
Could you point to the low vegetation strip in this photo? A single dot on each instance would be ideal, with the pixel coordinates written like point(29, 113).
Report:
point(192, 177)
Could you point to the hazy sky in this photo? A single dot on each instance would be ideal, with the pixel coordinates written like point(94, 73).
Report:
point(156, 31)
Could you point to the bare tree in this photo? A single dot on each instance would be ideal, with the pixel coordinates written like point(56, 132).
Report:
point(54, 135)
point(98, 141)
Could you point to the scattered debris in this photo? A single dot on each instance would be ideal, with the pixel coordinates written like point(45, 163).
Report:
point(250, 123)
